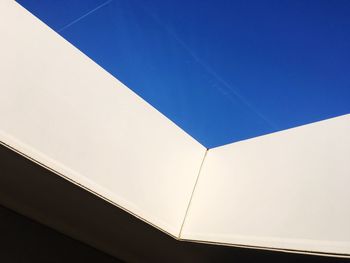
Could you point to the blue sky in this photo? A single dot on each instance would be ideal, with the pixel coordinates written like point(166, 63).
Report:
point(222, 70)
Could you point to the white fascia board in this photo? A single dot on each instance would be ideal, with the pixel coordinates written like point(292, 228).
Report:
point(287, 190)
point(65, 112)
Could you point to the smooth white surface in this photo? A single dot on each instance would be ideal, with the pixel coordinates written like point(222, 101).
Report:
point(61, 109)
point(288, 190)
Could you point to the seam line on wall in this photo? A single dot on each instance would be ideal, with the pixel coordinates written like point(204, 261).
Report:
point(192, 194)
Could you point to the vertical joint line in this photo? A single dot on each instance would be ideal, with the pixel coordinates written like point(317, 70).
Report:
point(192, 194)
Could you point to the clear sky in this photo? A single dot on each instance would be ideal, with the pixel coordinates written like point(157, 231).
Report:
point(222, 70)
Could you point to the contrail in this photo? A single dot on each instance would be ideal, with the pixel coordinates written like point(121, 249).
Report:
point(83, 16)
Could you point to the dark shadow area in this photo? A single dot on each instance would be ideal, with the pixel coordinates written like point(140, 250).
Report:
point(43, 196)
point(24, 240)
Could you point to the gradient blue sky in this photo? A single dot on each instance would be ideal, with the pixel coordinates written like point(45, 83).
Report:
point(222, 70)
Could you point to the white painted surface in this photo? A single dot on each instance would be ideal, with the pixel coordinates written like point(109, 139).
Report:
point(287, 190)
point(61, 109)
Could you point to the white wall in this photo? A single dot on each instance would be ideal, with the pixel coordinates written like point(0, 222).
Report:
point(288, 190)
point(61, 109)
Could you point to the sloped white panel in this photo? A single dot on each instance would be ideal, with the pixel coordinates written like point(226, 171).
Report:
point(62, 110)
point(287, 190)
